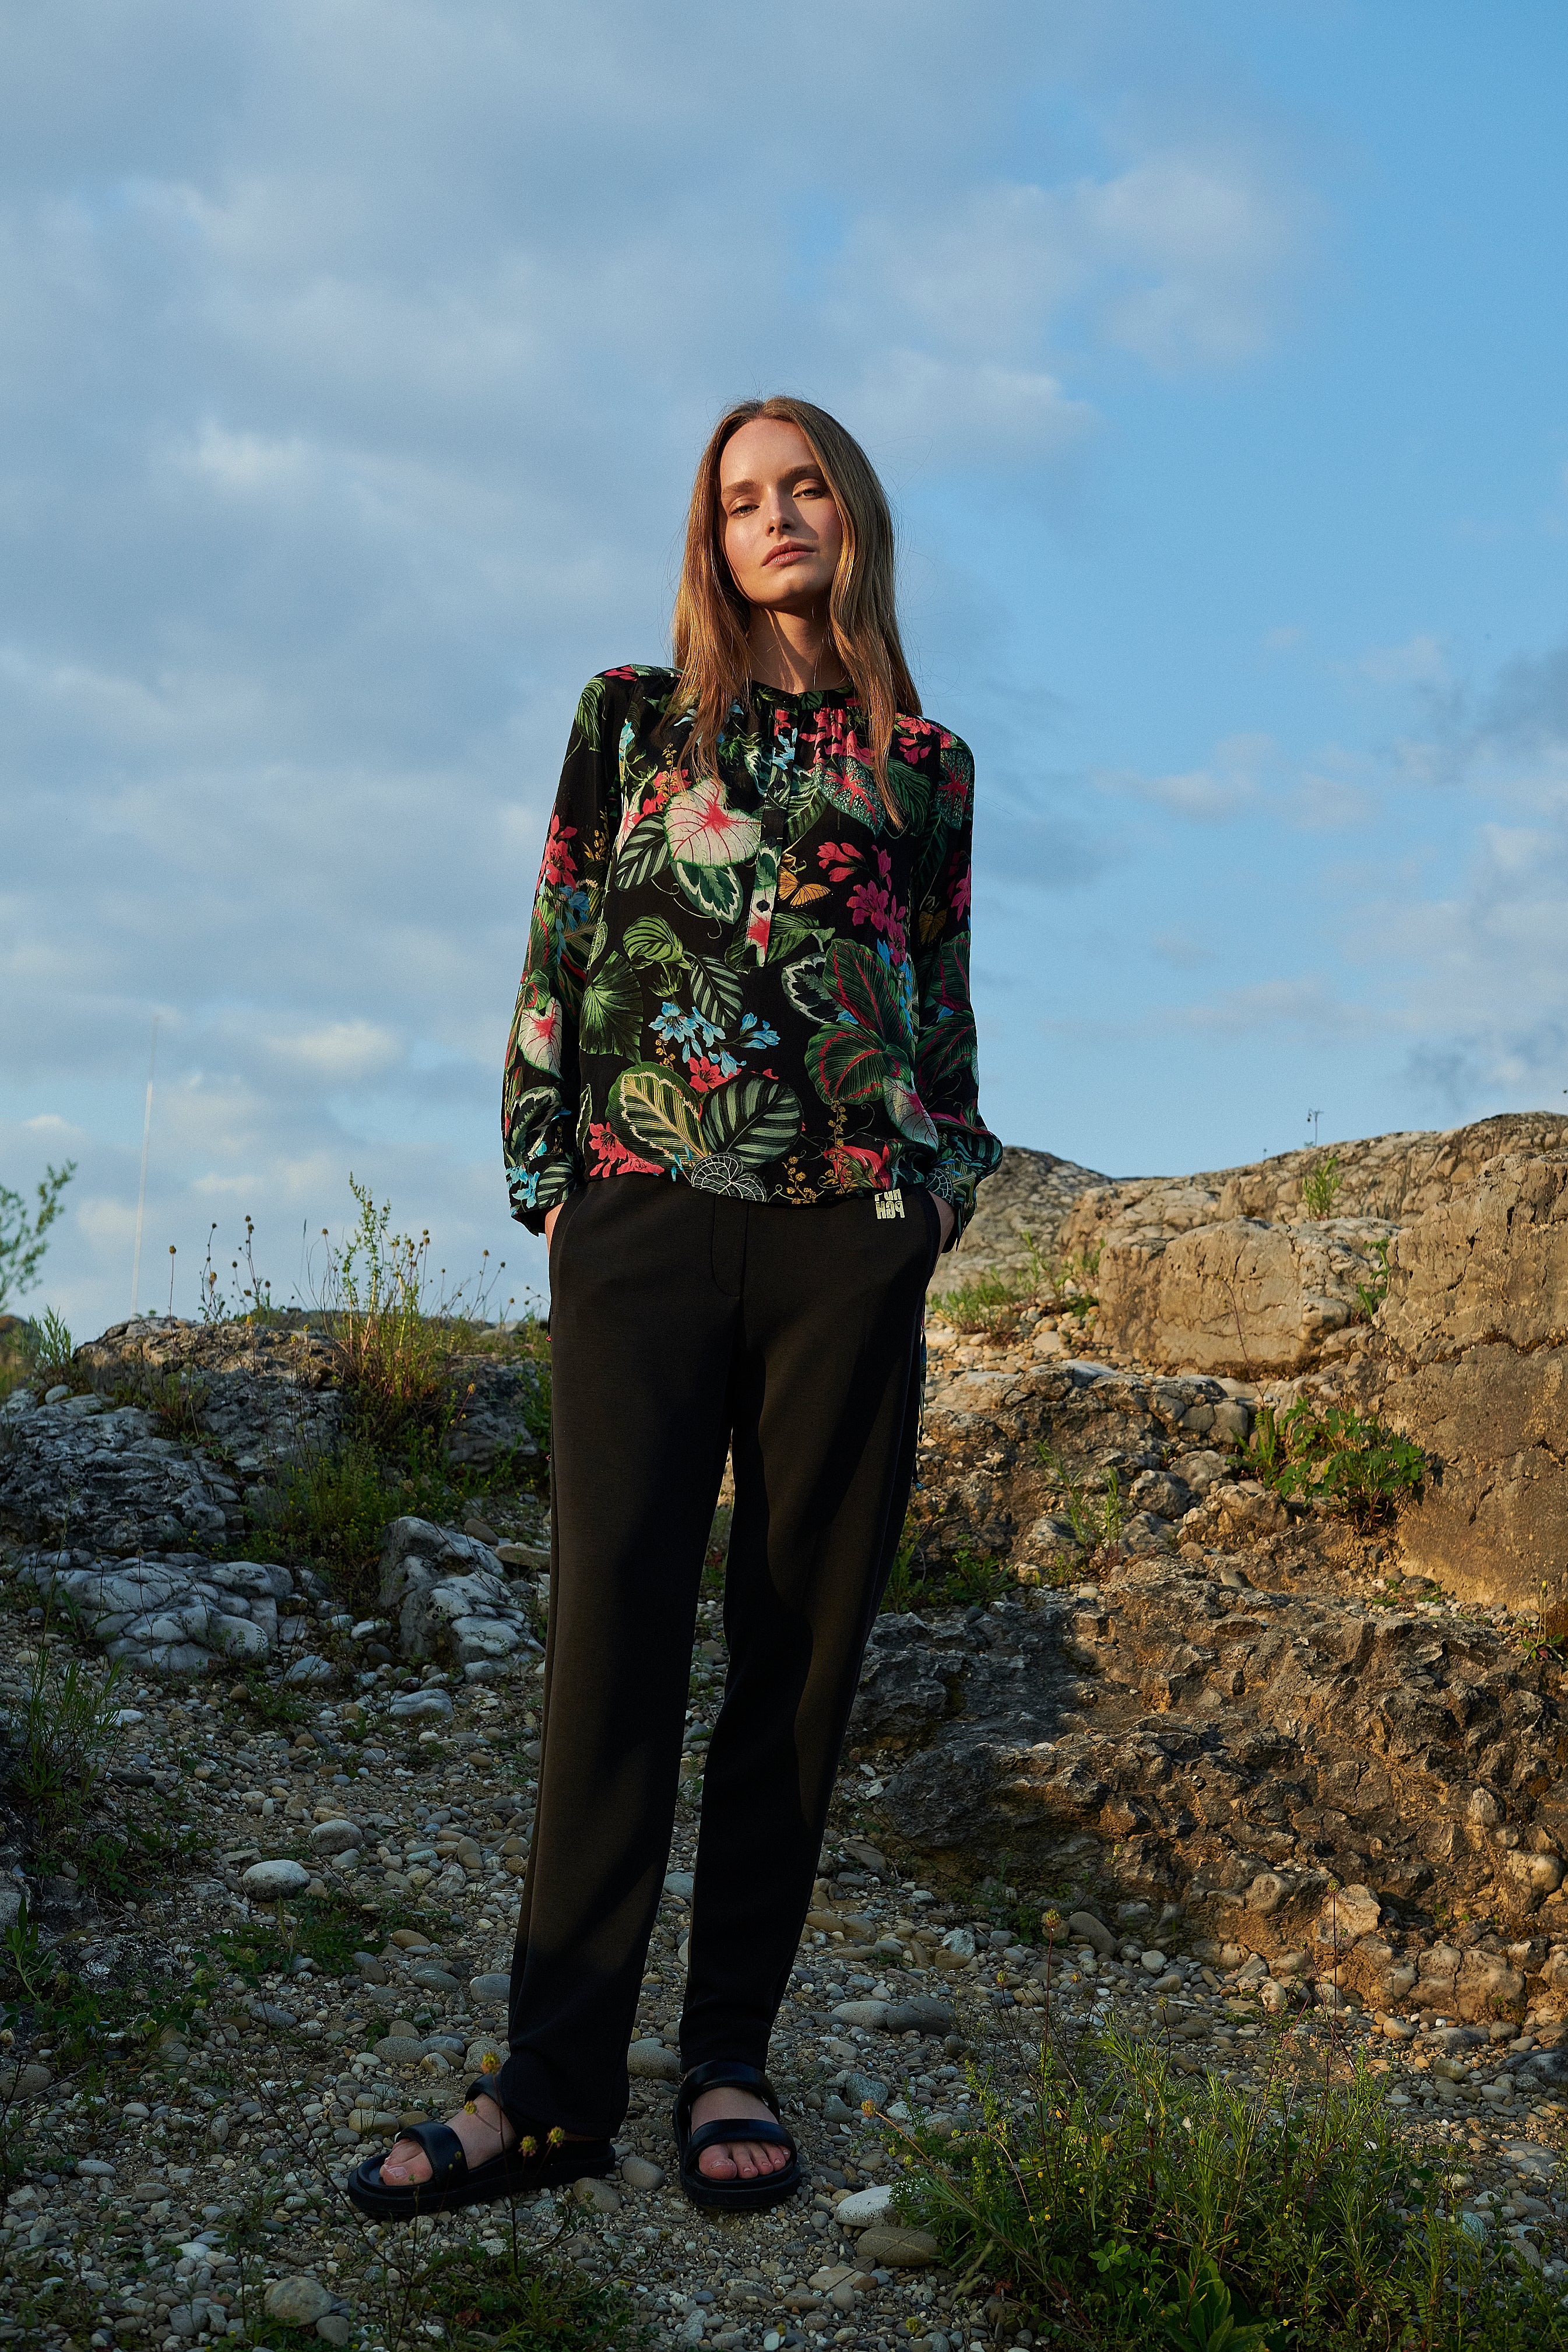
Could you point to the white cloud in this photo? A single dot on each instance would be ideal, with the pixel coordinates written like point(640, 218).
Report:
point(1420, 661)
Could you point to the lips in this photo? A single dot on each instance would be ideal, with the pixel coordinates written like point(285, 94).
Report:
point(784, 554)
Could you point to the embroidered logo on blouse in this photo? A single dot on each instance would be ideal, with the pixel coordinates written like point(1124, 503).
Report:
point(889, 1204)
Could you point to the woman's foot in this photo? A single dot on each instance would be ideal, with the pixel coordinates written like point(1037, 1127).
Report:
point(482, 2128)
point(739, 2159)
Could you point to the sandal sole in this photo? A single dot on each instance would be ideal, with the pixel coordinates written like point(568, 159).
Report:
point(484, 2186)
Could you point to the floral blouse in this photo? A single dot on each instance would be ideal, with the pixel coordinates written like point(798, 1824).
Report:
point(755, 984)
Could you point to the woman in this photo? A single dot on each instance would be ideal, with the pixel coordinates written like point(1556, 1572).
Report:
point(740, 1103)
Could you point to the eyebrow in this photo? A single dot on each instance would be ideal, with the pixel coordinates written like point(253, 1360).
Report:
point(795, 474)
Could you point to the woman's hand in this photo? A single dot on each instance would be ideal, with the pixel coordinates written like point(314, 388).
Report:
point(946, 1217)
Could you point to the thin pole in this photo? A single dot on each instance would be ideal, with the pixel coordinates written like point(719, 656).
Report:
point(141, 1191)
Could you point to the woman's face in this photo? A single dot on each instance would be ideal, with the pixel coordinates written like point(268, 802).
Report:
point(781, 531)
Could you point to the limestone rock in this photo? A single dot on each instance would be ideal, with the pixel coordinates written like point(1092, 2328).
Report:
point(451, 1602)
point(1017, 1217)
point(107, 1481)
point(494, 1404)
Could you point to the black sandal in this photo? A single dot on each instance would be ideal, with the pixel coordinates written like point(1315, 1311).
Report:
point(539, 2158)
point(732, 2196)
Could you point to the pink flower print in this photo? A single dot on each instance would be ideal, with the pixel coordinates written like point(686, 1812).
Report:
point(704, 1072)
point(838, 859)
point(959, 898)
point(873, 903)
point(559, 866)
point(875, 1162)
point(613, 1158)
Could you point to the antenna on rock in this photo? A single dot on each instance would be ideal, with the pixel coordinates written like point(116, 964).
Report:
point(142, 1189)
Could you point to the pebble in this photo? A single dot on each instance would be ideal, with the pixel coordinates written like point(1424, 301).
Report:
point(859, 2087)
point(492, 1986)
point(896, 2250)
point(337, 1837)
point(638, 2173)
point(400, 2050)
point(650, 2061)
point(267, 2012)
point(1091, 1931)
point(311, 1673)
point(418, 1707)
point(862, 2207)
point(300, 2301)
point(599, 2194)
point(265, 1881)
point(435, 1979)
point(867, 2013)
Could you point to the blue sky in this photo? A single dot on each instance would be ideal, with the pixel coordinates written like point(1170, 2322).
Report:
point(353, 359)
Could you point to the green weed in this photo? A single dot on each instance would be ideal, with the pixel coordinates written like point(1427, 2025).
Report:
point(1335, 1455)
point(509, 2303)
point(959, 1580)
point(1370, 1294)
point(51, 1352)
point(63, 1731)
point(1322, 1185)
point(1134, 2211)
point(1096, 1521)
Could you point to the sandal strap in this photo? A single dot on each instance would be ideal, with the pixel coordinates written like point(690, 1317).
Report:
point(441, 2143)
point(720, 2074)
point(723, 2132)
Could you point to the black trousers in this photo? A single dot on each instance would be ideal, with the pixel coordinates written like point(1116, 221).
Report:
point(680, 1322)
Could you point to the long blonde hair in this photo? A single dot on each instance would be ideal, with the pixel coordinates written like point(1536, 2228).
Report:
point(712, 618)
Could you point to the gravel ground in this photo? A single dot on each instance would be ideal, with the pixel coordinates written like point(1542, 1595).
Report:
point(137, 2170)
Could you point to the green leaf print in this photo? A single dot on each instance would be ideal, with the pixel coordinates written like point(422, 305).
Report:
point(712, 890)
point(864, 985)
point(788, 933)
point(611, 1013)
point(652, 944)
point(848, 1065)
point(947, 1050)
point(523, 1112)
point(911, 789)
point(805, 987)
point(755, 1119)
point(724, 1173)
point(642, 853)
point(716, 991)
point(590, 712)
point(658, 1113)
point(906, 1111)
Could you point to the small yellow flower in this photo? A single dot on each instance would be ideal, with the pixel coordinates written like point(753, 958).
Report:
point(530, 2147)
point(556, 2138)
point(867, 2106)
point(490, 2063)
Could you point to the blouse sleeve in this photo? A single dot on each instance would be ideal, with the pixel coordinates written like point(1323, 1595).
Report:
point(946, 1063)
point(541, 1084)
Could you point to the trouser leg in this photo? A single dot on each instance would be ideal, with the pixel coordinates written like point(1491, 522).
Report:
point(641, 1349)
point(826, 1412)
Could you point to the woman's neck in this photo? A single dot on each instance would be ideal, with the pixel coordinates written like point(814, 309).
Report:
point(793, 651)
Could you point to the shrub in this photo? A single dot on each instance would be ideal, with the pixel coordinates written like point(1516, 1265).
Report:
point(23, 1230)
point(1336, 1456)
point(1096, 1520)
point(1135, 2209)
